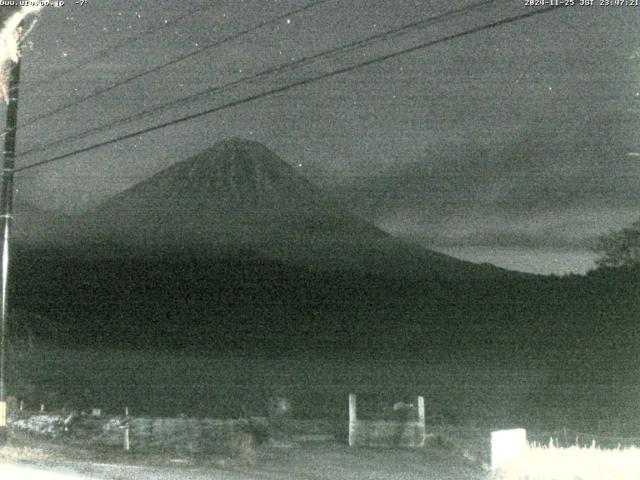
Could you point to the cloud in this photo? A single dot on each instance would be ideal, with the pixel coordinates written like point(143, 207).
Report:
point(543, 188)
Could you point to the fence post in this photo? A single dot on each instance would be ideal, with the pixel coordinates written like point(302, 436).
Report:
point(506, 445)
point(353, 418)
point(422, 423)
point(126, 438)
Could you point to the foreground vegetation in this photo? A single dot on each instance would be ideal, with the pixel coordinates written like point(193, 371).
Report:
point(573, 463)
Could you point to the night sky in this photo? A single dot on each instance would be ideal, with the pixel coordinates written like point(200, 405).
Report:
point(515, 145)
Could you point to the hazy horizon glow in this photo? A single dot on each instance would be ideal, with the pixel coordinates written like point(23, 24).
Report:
point(544, 261)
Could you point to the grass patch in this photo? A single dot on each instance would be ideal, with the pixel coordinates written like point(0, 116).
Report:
point(572, 463)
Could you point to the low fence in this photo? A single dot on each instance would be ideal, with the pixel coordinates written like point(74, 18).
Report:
point(180, 435)
point(404, 426)
point(403, 431)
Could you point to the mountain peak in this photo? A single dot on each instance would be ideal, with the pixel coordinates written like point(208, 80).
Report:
point(233, 193)
point(240, 194)
point(236, 149)
point(235, 168)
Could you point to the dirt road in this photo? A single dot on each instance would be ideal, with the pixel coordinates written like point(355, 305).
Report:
point(310, 462)
point(117, 472)
point(25, 472)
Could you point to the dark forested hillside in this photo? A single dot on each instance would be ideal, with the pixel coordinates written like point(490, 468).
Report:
point(244, 301)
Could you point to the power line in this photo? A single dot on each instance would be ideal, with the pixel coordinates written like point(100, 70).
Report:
point(298, 83)
point(175, 61)
point(270, 71)
point(124, 43)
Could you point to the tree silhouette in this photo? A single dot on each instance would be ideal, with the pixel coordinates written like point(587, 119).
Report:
point(620, 248)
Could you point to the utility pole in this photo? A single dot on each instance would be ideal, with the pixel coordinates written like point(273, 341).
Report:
point(6, 218)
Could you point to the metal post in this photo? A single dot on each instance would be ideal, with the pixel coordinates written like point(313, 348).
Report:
point(353, 418)
point(125, 439)
point(6, 214)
